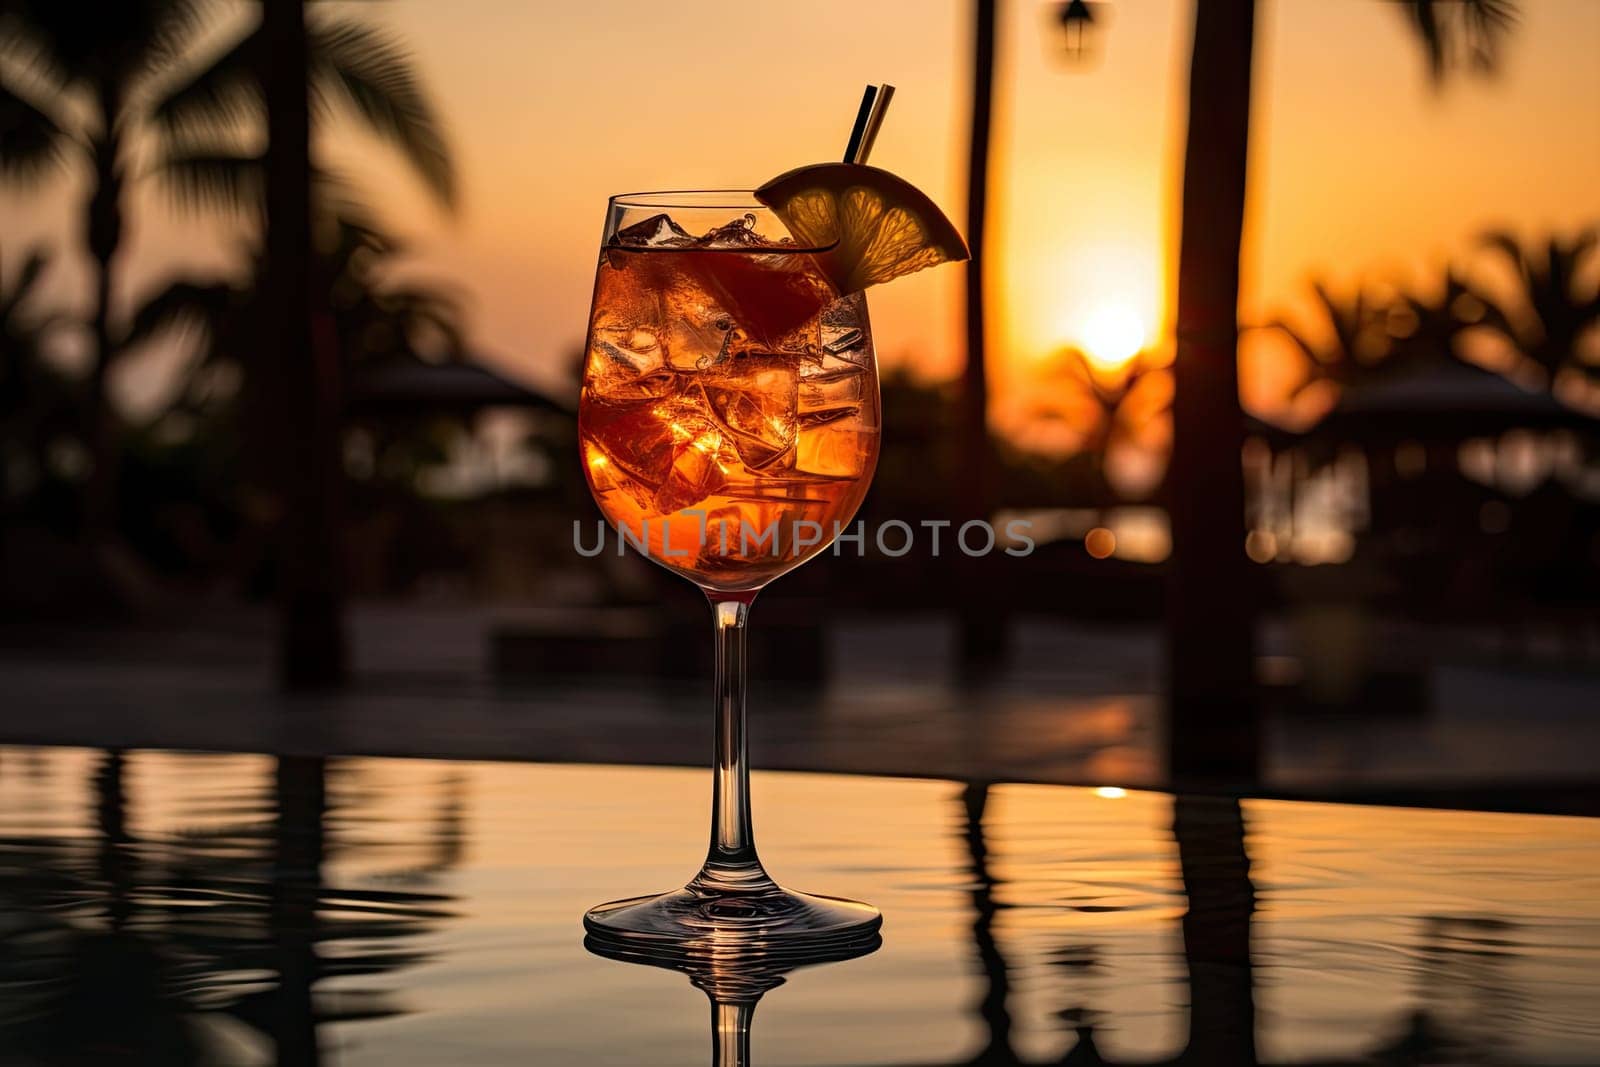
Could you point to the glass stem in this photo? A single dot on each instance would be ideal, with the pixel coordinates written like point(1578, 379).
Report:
point(730, 1032)
point(731, 863)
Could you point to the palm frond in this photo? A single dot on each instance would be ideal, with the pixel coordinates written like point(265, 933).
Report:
point(216, 179)
point(1509, 248)
point(30, 138)
point(1460, 32)
point(109, 48)
point(1487, 24)
point(173, 29)
point(1149, 394)
point(1424, 19)
point(181, 305)
point(427, 308)
point(218, 97)
point(1281, 326)
point(1073, 364)
point(371, 74)
point(1566, 259)
point(337, 200)
point(14, 294)
point(26, 46)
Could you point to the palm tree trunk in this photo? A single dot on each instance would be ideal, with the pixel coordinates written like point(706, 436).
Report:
point(982, 634)
point(1210, 833)
point(1213, 716)
point(299, 843)
point(305, 371)
point(994, 1008)
point(103, 237)
point(114, 861)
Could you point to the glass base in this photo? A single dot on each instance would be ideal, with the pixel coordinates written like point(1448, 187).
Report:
point(701, 914)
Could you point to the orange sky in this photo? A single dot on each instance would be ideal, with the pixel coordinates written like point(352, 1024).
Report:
point(1360, 170)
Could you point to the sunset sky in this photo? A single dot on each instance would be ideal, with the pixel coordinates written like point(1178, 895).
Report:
point(1361, 169)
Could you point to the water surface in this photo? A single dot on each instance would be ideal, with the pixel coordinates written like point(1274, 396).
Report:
point(243, 909)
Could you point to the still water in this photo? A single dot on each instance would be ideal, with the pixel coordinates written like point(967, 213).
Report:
point(164, 908)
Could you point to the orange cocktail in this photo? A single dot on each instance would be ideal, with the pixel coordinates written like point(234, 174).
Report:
point(729, 419)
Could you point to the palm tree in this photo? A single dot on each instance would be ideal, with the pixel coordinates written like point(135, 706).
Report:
point(1431, 325)
point(1213, 729)
point(979, 641)
point(370, 320)
point(1550, 311)
point(1210, 644)
point(1357, 347)
point(82, 82)
point(1369, 340)
point(1119, 404)
point(367, 323)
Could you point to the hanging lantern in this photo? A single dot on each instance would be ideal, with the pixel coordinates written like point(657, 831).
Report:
point(1076, 20)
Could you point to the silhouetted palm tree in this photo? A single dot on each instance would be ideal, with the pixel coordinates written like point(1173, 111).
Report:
point(1356, 348)
point(1551, 309)
point(978, 644)
point(369, 322)
point(82, 81)
point(375, 321)
point(1120, 403)
point(1431, 325)
point(1210, 641)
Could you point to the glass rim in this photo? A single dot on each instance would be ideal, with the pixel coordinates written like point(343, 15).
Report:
point(730, 201)
point(704, 199)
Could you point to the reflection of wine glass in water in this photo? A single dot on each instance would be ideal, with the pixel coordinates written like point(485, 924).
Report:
point(734, 978)
point(729, 423)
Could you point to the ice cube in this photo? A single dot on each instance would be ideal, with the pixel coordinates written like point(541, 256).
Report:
point(633, 434)
point(831, 392)
point(697, 470)
point(840, 448)
point(695, 342)
point(627, 349)
point(722, 533)
point(753, 396)
point(657, 231)
point(740, 233)
point(844, 333)
point(627, 360)
point(833, 441)
point(607, 478)
point(697, 327)
point(669, 447)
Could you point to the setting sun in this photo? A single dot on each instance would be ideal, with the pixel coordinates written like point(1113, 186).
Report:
point(1113, 334)
point(1104, 296)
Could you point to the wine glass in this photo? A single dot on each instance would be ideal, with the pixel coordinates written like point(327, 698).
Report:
point(729, 427)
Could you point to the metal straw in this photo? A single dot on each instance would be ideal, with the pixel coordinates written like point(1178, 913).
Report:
point(880, 105)
point(859, 130)
point(869, 117)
